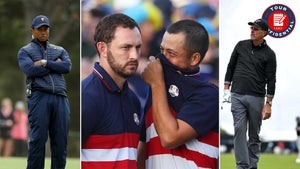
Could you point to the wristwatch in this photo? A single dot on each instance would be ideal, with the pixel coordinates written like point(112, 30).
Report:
point(269, 102)
point(44, 62)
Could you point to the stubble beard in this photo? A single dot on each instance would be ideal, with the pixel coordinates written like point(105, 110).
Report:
point(119, 68)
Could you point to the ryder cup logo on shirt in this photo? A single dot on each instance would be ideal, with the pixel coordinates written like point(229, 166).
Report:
point(174, 91)
point(281, 20)
point(136, 119)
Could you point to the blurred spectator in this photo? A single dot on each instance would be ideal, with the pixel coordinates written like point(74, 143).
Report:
point(90, 17)
point(210, 65)
point(206, 13)
point(6, 124)
point(20, 129)
point(298, 139)
point(198, 10)
point(150, 19)
point(178, 9)
point(166, 7)
point(92, 12)
point(120, 5)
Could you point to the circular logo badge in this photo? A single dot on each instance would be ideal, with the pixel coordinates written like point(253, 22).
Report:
point(174, 91)
point(281, 20)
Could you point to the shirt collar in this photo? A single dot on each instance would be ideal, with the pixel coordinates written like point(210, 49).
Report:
point(105, 78)
point(260, 45)
point(169, 65)
point(43, 44)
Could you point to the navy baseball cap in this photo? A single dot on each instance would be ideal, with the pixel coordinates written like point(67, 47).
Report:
point(260, 23)
point(39, 21)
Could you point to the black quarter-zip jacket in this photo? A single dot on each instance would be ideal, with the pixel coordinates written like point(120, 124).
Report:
point(252, 69)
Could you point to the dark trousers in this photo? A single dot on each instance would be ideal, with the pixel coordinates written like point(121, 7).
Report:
point(49, 114)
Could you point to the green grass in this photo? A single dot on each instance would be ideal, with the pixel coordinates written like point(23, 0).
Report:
point(20, 163)
point(267, 161)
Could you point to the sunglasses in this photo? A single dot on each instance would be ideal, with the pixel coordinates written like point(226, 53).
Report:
point(255, 28)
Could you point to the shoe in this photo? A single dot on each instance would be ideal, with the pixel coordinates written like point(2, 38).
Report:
point(298, 160)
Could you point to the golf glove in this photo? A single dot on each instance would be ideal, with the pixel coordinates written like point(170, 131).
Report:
point(227, 96)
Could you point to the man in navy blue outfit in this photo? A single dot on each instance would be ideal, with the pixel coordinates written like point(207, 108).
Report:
point(49, 113)
point(110, 110)
point(181, 124)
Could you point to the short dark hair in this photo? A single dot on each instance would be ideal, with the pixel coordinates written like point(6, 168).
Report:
point(106, 27)
point(196, 36)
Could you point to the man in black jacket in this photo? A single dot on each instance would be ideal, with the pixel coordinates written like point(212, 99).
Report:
point(252, 69)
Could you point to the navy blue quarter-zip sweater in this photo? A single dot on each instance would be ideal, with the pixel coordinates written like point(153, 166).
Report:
point(49, 78)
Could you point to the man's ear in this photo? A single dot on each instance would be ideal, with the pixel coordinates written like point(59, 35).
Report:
point(102, 48)
point(195, 59)
point(31, 31)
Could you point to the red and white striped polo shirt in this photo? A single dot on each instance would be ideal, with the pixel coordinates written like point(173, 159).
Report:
point(201, 153)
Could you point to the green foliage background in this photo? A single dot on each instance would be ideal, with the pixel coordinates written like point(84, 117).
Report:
point(15, 19)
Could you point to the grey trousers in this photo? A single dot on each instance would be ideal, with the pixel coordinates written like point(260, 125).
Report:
point(247, 114)
point(298, 146)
